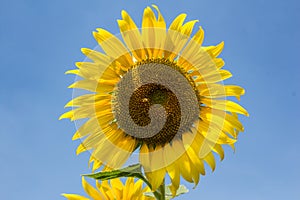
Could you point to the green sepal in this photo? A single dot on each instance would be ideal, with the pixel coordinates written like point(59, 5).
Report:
point(181, 190)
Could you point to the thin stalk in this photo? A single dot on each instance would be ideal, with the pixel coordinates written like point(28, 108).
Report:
point(156, 194)
point(162, 191)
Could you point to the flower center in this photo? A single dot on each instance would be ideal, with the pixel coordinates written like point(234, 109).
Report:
point(155, 103)
point(139, 106)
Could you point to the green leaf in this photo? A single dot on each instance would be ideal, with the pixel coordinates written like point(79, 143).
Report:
point(130, 171)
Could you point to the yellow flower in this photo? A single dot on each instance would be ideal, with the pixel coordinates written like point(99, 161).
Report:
point(115, 190)
point(158, 92)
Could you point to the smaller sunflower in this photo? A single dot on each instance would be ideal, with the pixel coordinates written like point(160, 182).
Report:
point(113, 190)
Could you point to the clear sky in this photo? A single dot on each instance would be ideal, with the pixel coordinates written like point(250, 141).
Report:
point(40, 40)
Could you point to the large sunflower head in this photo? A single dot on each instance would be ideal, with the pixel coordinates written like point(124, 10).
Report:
point(113, 189)
point(159, 92)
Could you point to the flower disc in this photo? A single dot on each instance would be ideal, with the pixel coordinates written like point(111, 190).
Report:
point(154, 103)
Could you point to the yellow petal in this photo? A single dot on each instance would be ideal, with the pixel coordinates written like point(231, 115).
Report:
point(234, 90)
point(225, 105)
point(175, 39)
point(144, 157)
point(88, 111)
point(105, 189)
point(194, 157)
point(185, 168)
point(183, 160)
point(96, 165)
point(217, 90)
point(90, 85)
point(219, 150)
point(131, 36)
point(82, 112)
point(126, 147)
point(213, 134)
point(117, 187)
point(106, 71)
point(97, 56)
point(215, 51)
point(91, 126)
point(137, 188)
point(213, 77)
point(218, 119)
point(66, 115)
point(177, 22)
point(133, 40)
point(74, 71)
point(148, 32)
point(160, 34)
point(90, 73)
point(107, 152)
point(90, 190)
point(234, 121)
point(149, 18)
point(160, 21)
point(94, 140)
point(156, 177)
point(113, 47)
point(74, 197)
point(192, 49)
point(196, 165)
point(170, 157)
point(157, 158)
point(210, 159)
point(229, 121)
point(199, 36)
point(81, 148)
point(219, 62)
point(187, 28)
point(156, 172)
point(127, 191)
point(87, 99)
point(195, 174)
point(128, 19)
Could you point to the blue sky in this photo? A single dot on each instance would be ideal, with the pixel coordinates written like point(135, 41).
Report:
point(40, 40)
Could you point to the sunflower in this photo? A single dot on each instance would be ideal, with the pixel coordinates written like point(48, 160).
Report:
point(158, 92)
point(112, 190)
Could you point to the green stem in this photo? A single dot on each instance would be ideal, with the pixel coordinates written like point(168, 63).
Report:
point(156, 194)
point(162, 191)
